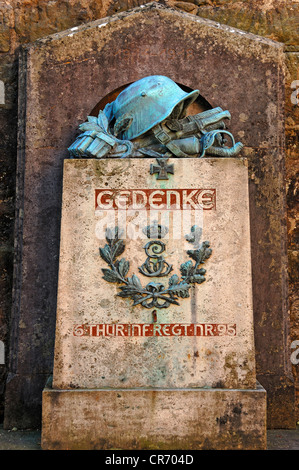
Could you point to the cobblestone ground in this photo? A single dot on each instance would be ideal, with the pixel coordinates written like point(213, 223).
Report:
point(278, 439)
point(283, 439)
point(19, 440)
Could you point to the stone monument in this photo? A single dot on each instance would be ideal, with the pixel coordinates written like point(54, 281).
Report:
point(154, 343)
point(62, 77)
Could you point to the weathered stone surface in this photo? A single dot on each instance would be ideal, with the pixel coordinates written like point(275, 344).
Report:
point(4, 38)
point(32, 19)
point(213, 359)
point(182, 419)
point(47, 17)
point(6, 24)
point(73, 61)
point(292, 174)
point(274, 19)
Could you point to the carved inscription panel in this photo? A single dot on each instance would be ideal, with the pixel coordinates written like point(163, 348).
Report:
point(155, 276)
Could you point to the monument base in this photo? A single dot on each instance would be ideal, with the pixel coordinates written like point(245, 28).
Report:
point(166, 419)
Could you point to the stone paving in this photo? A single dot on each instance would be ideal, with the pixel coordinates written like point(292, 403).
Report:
point(283, 439)
point(278, 439)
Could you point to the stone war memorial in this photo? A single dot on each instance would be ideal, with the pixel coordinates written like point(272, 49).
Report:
point(152, 252)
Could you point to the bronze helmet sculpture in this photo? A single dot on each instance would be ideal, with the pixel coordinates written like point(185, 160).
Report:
point(146, 103)
point(148, 118)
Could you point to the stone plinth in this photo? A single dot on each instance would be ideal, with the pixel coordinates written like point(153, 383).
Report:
point(154, 419)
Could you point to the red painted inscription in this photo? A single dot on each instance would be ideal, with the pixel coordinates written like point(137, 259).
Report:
point(155, 199)
point(155, 329)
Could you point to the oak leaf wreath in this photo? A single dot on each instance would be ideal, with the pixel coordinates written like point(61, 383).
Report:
point(154, 294)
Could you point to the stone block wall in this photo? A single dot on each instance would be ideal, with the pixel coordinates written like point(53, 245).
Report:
point(24, 21)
